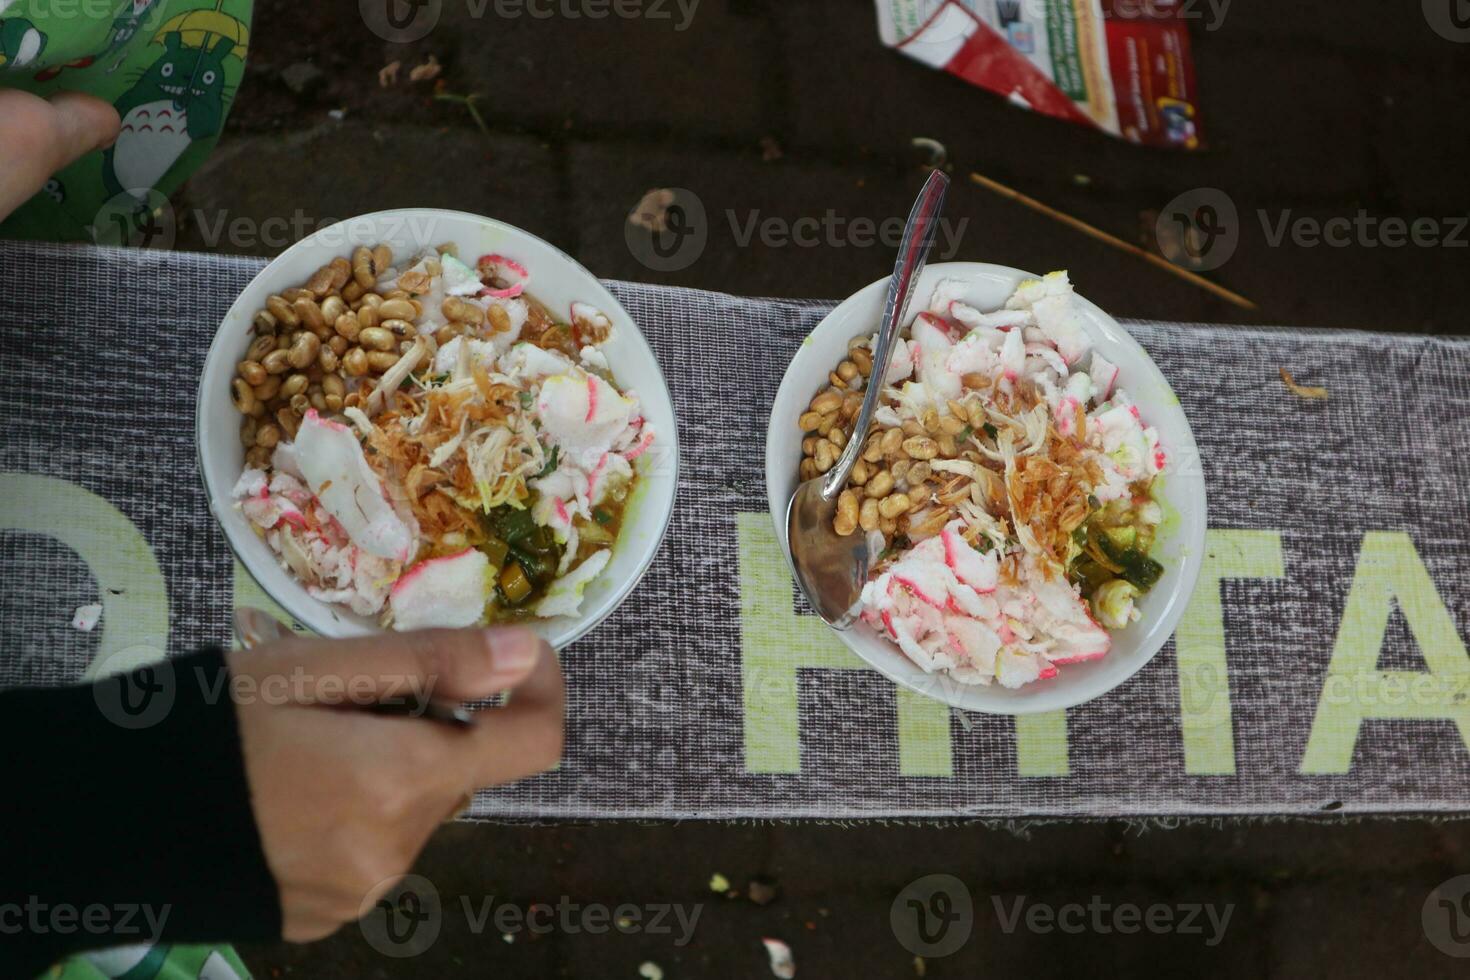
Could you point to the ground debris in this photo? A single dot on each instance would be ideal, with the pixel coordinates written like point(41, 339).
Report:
point(652, 212)
point(938, 153)
point(1314, 392)
point(770, 149)
point(426, 72)
point(85, 618)
point(650, 970)
point(388, 74)
point(302, 76)
point(761, 891)
point(719, 883)
point(783, 964)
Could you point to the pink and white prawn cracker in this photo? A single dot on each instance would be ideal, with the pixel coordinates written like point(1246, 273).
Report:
point(943, 604)
point(1051, 301)
point(587, 317)
point(1104, 375)
point(1064, 616)
point(501, 267)
point(583, 414)
point(444, 592)
point(332, 461)
point(267, 505)
point(923, 573)
point(932, 345)
point(980, 572)
point(564, 598)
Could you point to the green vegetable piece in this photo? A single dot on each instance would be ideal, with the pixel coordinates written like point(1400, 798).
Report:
point(550, 466)
point(539, 542)
point(1123, 537)
point(514, 584)
point(601, 515)
point(512, 524)
point(1089, 574)
point(496, 550)
point(1142, 570)
point(1137, 566)
point(900, 543)
point(539, 564)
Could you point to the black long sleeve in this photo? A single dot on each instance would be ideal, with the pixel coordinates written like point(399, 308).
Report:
point(117, 800)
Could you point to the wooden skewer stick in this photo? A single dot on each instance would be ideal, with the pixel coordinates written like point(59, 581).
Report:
point(1113, 240)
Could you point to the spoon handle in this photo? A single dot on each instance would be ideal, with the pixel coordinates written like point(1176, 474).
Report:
point(913, 250)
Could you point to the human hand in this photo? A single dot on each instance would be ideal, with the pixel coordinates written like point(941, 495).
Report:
point(38, 137)
point(346, 799)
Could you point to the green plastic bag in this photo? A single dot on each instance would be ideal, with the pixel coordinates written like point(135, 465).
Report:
point(147, 962)
point(170, 67)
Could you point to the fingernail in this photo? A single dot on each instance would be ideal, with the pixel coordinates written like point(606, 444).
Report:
point(513, 649)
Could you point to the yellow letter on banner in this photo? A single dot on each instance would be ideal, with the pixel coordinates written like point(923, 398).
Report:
point(1199, 645)
point(1388, 569)
point(777, 643)
point(134, 595)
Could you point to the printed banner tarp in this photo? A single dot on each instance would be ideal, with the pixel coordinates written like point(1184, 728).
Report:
point(1321, 664)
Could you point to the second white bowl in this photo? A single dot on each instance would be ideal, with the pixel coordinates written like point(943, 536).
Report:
point(1180, 490)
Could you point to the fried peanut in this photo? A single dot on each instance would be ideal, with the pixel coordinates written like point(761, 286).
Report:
point(894, 505)
point(282, 311)
point(846, 520)
point(252, 372)
point(376, 339)
point(304, 349)
point(920, 447)
point(879, 485)
point(243, 396)
point(827, 402)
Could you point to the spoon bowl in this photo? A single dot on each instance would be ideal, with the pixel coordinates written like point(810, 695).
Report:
point(830, 567)
point(833, 568)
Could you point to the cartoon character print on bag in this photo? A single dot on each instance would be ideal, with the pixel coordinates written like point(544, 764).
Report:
point(21, 42)
point(178, 99)
point(162, 962)
point(121, 51)
point(129, 21)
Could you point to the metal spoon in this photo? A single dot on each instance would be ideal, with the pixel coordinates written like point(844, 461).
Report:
point(830, 568)
point(256, 626)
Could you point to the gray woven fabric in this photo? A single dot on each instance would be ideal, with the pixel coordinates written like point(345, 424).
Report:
point(97, 389)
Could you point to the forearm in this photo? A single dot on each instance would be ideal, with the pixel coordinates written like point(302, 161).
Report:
point(124, 825)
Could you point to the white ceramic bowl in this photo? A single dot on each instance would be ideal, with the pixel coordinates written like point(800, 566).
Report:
point(556, 280)
point(1180, 489)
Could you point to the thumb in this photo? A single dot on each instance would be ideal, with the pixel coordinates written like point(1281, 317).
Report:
point(40, 137)
point(459, 665)
point(83, 123)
